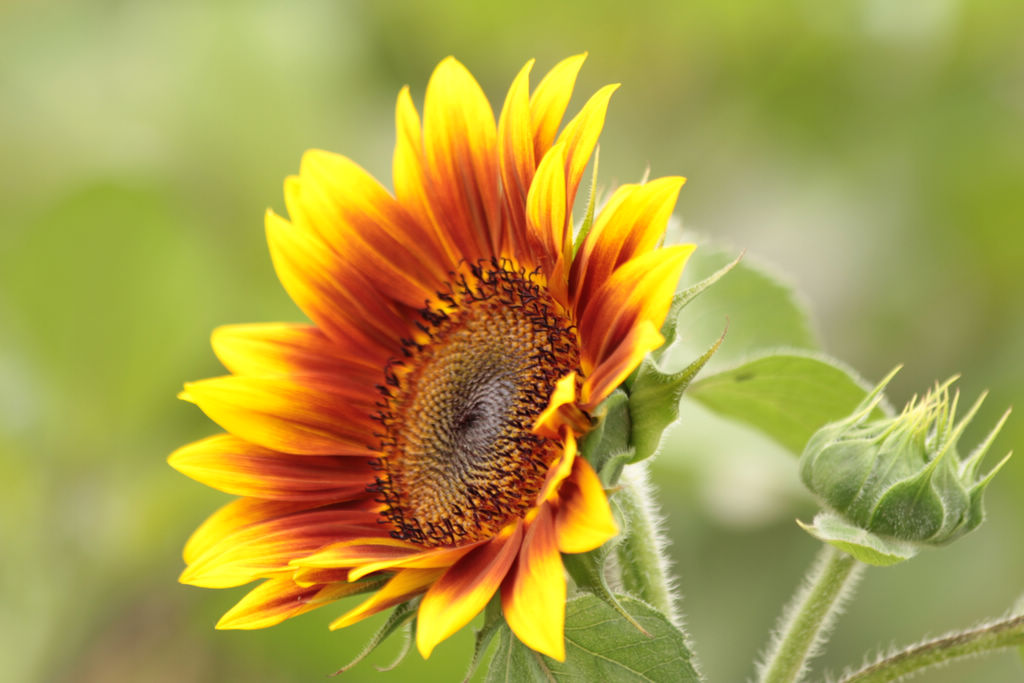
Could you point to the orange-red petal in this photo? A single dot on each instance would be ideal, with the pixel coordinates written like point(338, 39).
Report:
point(266, 547)
point(232, 517)
point(413, 186)
point(288, 349)
point(515, 152)
point(464, 589)
point(340, 300)
point(367, 229)
point(615, 368)
point(229, 464)
point(368, 555)
point(640, 289)
point(533, 593)
point(275, 600)
point(304, 416)
point(460, 145)
point(630, 224)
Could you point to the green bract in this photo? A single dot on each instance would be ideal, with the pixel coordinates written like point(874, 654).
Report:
point(901, 480)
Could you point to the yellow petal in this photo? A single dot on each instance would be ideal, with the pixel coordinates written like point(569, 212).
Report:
point(405, 585)
point(580, 136)
point(584, 519)
point(546, 209)
point(549, 100)
point(533, 595)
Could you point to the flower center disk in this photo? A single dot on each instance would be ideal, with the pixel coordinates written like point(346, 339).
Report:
point(459, 458)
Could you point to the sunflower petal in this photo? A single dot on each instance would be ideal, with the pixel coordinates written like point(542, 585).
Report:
point(631, 224)
point(367, 228)
point(638, 290)
point(464, 589)
point(266, 548)
point(287, 349)
point(282, 414)
point(549, 100)
point(614, 369)
point(533, 593)
point(580, 136)
point(340, 301)
point(406, 584)
point(275, 600)
point(584, 519)
point(232, 517)
point(459, 139)
point(561, 410)
point(368, 555)
point(229, 464)
point(515, 151)
point(546, 214)
point(410, 177)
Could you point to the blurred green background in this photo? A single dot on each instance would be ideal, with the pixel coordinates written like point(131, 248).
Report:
point(872, 151)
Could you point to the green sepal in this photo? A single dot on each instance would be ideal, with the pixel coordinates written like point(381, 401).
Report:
point(787, 395)
point(611, 470)
point(867, 547)
point(588, 572)
point(493, 619)
point(654, 400)
point(600, 646)
point(410, 635)
point(588, 218)
point(398, 617)
point(610, 433)
point(680, 301)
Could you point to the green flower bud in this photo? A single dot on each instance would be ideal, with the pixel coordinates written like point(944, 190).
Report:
point(901, 479)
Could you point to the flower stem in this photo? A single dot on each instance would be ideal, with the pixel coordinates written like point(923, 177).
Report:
point(641, 552)
point(994, 636)
point(804, 624)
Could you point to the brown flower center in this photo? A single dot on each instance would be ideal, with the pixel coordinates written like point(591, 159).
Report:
point(460, 460)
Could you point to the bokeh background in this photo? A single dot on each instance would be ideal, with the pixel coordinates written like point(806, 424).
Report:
point(873, 152)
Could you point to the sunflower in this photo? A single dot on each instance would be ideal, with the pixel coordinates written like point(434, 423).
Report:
point(419, 438)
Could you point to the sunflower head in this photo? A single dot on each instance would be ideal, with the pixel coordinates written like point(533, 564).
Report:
point(419, 437)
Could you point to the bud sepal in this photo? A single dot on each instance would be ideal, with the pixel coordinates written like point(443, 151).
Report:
point(894, 485)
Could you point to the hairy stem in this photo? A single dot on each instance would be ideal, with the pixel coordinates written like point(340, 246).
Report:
point(641, 553)
point(987, 638)
point(804, 624)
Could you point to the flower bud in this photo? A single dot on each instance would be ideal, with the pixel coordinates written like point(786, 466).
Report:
point(901, 478)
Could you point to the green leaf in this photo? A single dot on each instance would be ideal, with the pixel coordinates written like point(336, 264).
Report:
point(867, 547)
point(600, 646)
point(761, 311)
point(654, 400)
point(787, 395)
point(588, 572)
